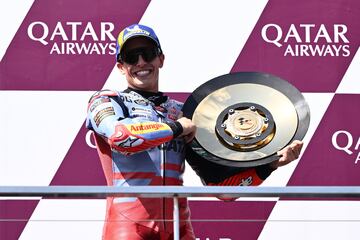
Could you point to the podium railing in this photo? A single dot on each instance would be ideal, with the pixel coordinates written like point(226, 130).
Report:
point(176, 192)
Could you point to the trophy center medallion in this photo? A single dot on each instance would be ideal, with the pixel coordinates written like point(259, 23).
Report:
point(244, 123)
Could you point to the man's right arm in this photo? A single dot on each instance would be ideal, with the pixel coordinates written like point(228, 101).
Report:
point(108, 117)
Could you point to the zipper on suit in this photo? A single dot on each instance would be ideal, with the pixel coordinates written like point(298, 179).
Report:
point(163, 161)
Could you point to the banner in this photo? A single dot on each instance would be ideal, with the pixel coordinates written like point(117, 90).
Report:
point(56, 54)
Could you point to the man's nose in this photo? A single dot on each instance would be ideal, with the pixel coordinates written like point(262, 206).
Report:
point(140, 61)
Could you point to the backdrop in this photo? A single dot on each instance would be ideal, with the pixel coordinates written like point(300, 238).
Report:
point(55, 54)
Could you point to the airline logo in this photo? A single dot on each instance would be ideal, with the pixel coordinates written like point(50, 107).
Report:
point(344, 141)
point(309, 39)
point(74, 38)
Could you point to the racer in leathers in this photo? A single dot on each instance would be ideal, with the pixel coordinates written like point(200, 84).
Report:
point(140, 137)
point(138, 145)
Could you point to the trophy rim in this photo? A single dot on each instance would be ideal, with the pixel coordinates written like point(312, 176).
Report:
point(286, 88)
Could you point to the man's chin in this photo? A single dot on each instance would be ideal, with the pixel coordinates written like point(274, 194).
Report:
point(146, 86)
point(142, 84)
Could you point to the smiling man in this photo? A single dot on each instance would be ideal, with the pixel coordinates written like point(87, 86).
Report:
point(140, 136)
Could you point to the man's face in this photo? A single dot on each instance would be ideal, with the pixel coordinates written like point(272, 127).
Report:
point(141, 75)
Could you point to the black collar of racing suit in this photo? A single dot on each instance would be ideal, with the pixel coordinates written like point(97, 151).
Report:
point(157, 98)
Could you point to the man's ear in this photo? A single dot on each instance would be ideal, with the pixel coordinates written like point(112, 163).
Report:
point(121, 67)
point(162, 58)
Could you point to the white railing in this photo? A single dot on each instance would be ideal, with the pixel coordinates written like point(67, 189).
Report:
point(178, 191)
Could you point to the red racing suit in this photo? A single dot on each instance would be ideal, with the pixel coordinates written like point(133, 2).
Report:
point(136, 137)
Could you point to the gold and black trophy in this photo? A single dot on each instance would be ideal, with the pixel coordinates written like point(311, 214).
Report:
point(242, 120)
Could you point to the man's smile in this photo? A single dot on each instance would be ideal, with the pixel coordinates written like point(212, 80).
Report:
point(142, 72)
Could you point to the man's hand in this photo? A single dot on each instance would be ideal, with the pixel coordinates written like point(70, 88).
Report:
point(189, 129)
point(288, 154)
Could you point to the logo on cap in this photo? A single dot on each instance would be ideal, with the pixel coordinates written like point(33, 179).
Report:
point(135, 31)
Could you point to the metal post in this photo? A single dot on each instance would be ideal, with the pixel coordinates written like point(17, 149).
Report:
point(176, 219)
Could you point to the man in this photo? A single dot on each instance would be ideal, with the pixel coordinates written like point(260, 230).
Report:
point(140, 136)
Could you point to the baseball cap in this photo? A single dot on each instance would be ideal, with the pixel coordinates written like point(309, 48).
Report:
point(132, 31)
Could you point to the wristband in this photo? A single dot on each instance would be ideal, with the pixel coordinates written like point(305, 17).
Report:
point(176, 127)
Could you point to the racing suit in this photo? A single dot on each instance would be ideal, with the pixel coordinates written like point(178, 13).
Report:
point(136, 137)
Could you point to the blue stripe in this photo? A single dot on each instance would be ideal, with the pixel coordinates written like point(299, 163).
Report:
point(174, 159)
point(131, 182)
point(139, 162)
point(124, 200)
point(173, 174)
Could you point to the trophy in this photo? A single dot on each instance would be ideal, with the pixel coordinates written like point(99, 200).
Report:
point(243, 119)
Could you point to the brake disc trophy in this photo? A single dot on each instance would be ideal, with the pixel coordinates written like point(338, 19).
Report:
point(242, 120)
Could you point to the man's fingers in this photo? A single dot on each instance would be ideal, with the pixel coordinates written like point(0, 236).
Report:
point(189, 137)
point(181, 114)
point(287, 155)
point(189, 128)
point(296, 152)
point(296, 147)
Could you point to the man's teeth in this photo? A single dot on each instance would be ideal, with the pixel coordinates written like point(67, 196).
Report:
point(142, 73)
